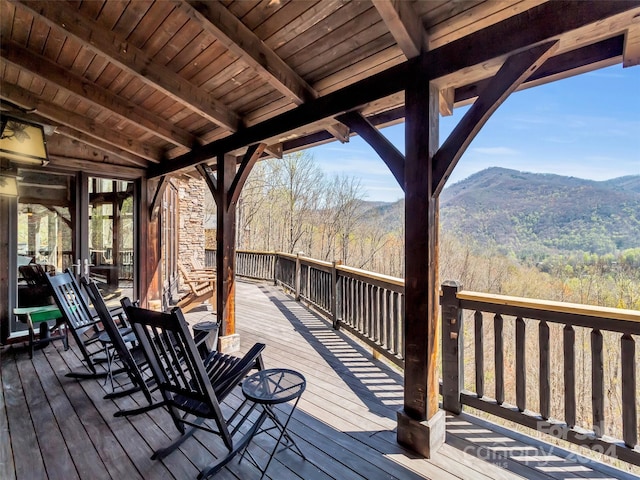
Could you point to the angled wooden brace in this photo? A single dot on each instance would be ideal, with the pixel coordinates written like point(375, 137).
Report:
point(154, 208)
point(515, 70)
point(383, 147)
point(226, 186)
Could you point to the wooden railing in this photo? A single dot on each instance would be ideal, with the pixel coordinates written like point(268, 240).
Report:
point(518, 315)
point(366, 304)
point(370, 306)
point(249, 264)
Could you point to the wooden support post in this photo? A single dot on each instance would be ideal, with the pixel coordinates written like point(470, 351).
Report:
point(226, 252)
point(8, 263)
point(226, 188)
point(421, 425)
point(452, 348)
point(148, 247)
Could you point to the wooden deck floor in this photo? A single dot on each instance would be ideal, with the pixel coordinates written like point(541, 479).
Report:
point(54, 427)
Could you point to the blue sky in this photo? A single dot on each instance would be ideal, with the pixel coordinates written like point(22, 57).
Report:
point(587, 126)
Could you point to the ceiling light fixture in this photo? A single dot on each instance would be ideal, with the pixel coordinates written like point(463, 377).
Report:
point(22, 142)
point(8, 186)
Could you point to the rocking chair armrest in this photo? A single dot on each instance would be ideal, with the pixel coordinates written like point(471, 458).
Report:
point(236, 370)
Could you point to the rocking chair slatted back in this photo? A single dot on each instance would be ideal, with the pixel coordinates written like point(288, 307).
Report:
point(83, 325)
point(132, 364)
point(188, 383)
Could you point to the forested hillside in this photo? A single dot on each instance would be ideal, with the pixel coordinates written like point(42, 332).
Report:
point(532, 216)
point(502, 231)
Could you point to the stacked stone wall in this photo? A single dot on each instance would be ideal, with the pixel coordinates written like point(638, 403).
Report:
point(191, 238)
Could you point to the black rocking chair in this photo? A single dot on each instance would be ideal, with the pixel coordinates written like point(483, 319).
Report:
point(84, 326)
point(192, 389)
point(132, 358)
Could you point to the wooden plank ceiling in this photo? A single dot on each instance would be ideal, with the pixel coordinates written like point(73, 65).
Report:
point(132, 85)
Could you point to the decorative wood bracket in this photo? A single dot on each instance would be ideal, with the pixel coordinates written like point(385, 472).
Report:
point(209, 178)
point(515, 70)
point(248, 161)
point(383, 147)
point(154, 208)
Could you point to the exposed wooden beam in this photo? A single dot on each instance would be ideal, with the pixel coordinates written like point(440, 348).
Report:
point(598, 55)
point(237, 37)
point(63, 146)
point(339, 131)
point(468, 17)
point(631, 55)
point(77, 123)
point(515, 70)
point(109, 149)
point(406, 27)
point(45, 69)
point(404, 24)
point(91, 167)
point(522, 31)
point(248, 161)
point(590, 57)
point(104, 42)
point(389, 154)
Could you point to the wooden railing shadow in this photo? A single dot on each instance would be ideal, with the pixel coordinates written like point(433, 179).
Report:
point(345, 356)
point(370, 307)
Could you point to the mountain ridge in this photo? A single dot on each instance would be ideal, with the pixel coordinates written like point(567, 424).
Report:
point(539, 214)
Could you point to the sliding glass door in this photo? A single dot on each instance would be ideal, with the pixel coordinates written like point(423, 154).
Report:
point(82, 223)
point(44, 236)
point(111, 237)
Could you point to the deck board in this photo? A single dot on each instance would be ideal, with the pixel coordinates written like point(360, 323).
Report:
point(7, 467)
point(52, 426)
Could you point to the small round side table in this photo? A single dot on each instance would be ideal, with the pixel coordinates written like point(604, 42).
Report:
point(272, 387)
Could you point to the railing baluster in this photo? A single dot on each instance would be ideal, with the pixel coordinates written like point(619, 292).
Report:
point(400, 326)
point(499, 357)
point(569, 337)
point(521, 367)
point(372, 312)
point(376, 315)
point(388, 306)
point(358, 319)
point(629, 415)
point(545, 370)
point(366, 328)
point(597, 379)
point(479, 353)
point(334, 295)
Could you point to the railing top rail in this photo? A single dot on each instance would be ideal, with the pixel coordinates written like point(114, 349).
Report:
point(313, 261)
point(372, 275)
point(255, 252)
point(290, 256)
point(551, 306)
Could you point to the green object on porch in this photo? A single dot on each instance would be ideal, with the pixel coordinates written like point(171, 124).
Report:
point(41, 315)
